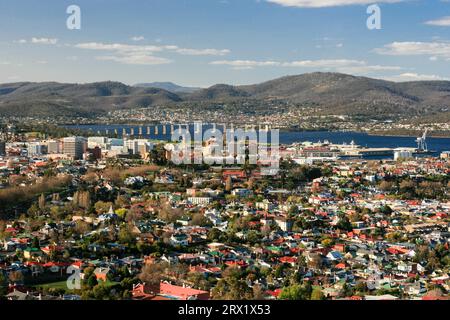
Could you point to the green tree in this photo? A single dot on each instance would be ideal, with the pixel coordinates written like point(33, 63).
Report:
point(3, 286)
point(92, 281)
point(232, 286)
point(294, 292)
point(317, 294)
point(126, 236)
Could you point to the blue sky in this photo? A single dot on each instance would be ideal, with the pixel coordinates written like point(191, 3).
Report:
point(204, 42)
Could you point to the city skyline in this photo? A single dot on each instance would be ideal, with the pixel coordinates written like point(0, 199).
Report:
point(234, 42)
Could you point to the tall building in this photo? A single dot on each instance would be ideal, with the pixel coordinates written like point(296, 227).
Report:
point(100, 142)
point(54, 147)
point(2, 148)
point(74, 147)
point(131, 146)
point(36, 149)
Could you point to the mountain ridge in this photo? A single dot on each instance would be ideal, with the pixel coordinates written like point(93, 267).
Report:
point(168, 86)
point(336, 93)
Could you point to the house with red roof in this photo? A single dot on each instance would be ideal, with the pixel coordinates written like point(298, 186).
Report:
point(168, 291)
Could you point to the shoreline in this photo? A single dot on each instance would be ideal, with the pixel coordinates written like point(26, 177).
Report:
point(370, 133)
point(379, 134)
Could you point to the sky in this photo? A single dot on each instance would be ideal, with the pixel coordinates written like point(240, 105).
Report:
point(205, 42)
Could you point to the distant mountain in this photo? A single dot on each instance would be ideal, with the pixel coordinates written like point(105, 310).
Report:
point(334, 93)
point(59, 99)
point(169, 86)
point(343, 94)
point(219, 92)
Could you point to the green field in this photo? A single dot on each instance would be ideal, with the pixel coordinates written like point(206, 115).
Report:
point(62, 285)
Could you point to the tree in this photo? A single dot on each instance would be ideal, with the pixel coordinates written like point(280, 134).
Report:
point(102, 207)
point(169, 214)
point(253, 236)
point(386, 210)
point(344, 224)
point(214, 234)
point(35, 243)
point(316, 262)
point(121, 212)
point(199, 219)
point(385, 185)
point(122, 201)
point(293, 211)
point(232, 286)
point(56, 212)
point(198, 280)
point(258, 292)
point(126, 236)
point(33, 210)
point(42, 202)
point(407, 187)
point(317, 294)
point(92, 281)
point(327, 243)
point(82, 199)
point(361, 287)
point(82, 227)
point(294, 292)
point(228, 184)
point(154, 273)
point(347, 290)
point(16, 277)
point(3, 286)
point(251, 183)
point(101, 292)
point(430, 189)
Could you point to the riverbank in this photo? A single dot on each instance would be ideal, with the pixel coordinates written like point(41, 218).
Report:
point(412, 134)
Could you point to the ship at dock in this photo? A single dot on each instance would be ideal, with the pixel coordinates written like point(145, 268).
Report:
point(308, 152)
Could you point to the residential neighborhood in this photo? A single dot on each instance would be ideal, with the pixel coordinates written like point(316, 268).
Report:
point(99, 219)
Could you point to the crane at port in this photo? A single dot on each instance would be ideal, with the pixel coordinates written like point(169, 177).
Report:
point(422, 142)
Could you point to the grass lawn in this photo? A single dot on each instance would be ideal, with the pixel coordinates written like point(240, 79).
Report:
point(54, 285)
point(109, 283)
point(62, 285)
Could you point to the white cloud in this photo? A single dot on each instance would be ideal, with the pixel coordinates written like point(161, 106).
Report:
point(301, 63)
point(246, 63)
point(340, 65)
point(435, 49)
point(202, 52)
point(441, 22)
point(144, 54)
point(367, 69)
point(44, 40)
point(136, 59)
point(324, 63)
point(138, 38)
point(117, 47)
point(327, 3)
point(414, 77)
point(242, 68)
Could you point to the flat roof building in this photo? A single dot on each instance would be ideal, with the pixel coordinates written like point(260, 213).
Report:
point(75, 147)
